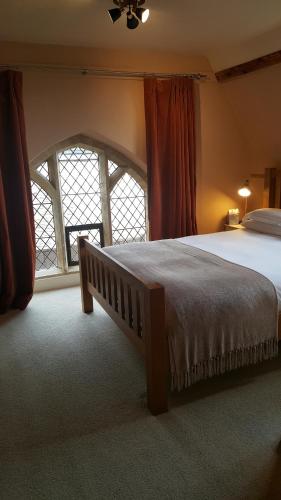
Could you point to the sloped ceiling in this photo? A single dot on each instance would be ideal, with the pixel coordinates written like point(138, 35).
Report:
point(228, 32)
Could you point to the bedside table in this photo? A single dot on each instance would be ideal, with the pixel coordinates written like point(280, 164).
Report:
point(231, 227)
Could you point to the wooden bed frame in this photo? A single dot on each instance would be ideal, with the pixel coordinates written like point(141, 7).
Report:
point(138, 308)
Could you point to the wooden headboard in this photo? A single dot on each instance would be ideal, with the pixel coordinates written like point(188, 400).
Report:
point(272, 188)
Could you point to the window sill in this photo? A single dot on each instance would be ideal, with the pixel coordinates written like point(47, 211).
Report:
point(56, 281)
point(50, 273)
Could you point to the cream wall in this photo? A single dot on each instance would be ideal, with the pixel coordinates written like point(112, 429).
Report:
point(59, 105)
point(224, 160)
point(255, 100)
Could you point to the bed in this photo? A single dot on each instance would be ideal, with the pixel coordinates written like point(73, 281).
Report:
point(137, 304)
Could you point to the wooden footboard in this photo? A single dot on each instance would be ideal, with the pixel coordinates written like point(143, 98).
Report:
point(137, 307)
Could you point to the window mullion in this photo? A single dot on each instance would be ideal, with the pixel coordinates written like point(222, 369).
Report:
point(58, 213)
point(105, 198)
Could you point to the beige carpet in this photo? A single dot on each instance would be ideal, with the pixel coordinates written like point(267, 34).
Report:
point(73, 423)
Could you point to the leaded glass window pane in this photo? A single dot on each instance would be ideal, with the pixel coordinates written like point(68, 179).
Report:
point(46, 253)
point(44, 170)
point(112, 167)
point(80, 186)
point(127, 203)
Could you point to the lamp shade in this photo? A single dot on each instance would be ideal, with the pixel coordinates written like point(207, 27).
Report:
point(114, 14)
point(142, 14)
point(132, 21)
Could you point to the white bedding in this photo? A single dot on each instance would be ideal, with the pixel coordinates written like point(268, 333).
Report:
point(257, 251)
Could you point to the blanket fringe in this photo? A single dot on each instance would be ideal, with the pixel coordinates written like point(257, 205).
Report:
point(225, 363)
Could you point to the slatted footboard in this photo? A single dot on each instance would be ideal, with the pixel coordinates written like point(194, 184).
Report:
point(137, 307)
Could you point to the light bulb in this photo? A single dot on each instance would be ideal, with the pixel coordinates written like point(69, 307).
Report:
point(142, 14)
point(145, 16)
point(245, 192)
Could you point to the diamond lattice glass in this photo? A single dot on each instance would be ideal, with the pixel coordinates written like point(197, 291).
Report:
point(43, 169)
point(80, 189)
point(46, 253)
point(127, 203)
point(112, 167)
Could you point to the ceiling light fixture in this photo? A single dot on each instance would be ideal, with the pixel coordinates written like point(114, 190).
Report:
point(135, 12)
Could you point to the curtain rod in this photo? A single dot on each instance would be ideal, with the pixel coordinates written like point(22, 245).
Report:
point(101, 72)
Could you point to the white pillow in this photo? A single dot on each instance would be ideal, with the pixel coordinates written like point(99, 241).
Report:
point(266, 215)
point(262, 227)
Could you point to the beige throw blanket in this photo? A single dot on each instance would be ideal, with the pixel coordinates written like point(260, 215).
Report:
point(219, 315)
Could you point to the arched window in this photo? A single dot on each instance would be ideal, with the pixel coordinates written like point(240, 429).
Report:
point(83, 183)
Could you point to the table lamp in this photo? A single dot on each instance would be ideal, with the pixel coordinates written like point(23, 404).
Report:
point(245, 192)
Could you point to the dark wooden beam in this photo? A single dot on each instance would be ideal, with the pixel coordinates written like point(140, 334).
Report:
point(248, 67)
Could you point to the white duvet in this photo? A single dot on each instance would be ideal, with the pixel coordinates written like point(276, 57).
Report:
point(257, 251)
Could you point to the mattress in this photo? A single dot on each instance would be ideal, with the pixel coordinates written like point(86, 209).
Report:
point(257, 251)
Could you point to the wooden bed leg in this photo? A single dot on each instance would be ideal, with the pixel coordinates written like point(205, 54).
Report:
point(156, 350)
point(86, 297)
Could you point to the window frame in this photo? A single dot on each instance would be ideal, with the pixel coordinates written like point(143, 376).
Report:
point(107, 182)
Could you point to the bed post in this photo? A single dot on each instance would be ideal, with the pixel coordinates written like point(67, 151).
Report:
point(86, 297)
point(156, 350)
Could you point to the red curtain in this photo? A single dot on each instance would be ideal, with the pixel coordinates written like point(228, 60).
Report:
point(17, 239)
point(171, 162)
